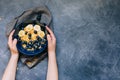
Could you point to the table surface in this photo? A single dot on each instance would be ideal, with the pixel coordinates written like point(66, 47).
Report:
point(88, 38)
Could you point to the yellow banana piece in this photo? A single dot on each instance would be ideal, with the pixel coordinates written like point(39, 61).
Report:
point(28, 28)
point(24, 45)
point(33, 37)
point(21, 33)
point(25, 38)
point(41, 34)
point(37, 27)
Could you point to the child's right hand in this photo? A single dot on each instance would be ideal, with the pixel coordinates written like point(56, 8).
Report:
point(12, 45)
point(51, 41)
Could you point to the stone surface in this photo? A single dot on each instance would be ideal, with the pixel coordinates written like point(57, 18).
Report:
point(88, 38)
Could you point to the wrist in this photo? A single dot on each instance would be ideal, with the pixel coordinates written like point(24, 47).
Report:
point(51, 54)
point(14, 58)
point(15, 55)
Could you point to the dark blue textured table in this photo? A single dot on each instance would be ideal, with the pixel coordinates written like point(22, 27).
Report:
point(88, 38)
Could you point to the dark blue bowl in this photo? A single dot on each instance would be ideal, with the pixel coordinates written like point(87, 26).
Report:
point(19, 43)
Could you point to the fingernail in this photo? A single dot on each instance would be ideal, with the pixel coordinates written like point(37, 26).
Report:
point(48, 35)
point(15, 39)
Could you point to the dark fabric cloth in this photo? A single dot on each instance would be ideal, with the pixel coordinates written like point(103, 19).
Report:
point(32, 14)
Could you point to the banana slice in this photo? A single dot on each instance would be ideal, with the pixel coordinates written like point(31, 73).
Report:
point(37, 28)
point(33, 37)
point(24, 45)
point(25, 38)
point(28, 28)
point(30, 49)
point(32, 31)
point(41, 34)
point(21, 33)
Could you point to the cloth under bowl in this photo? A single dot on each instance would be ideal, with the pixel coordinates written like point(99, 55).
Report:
point(32, 14)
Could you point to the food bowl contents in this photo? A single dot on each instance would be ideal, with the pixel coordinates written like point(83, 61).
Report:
point(32, 37)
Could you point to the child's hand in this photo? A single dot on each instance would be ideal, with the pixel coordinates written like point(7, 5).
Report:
point(12, 44)
point(51, 41)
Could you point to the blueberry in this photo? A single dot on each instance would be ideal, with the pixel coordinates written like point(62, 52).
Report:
point(38, 44)
point(43, 41)
point(29, 35)
point(19, 39)
point(35, 47)
point(42, 45)
point(35, 41)
point(24, 42)
point(38, 38)
point(35, 31)
point(30, 43)
point(29, 46)
point(26, 33)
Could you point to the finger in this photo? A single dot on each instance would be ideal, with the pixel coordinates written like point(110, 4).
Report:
point(14, 42)
point(10, 37)
point(51, 33)
point(48, 38)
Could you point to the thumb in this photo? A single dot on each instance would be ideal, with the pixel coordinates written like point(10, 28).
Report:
point(48, 38)
point(14, 42)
